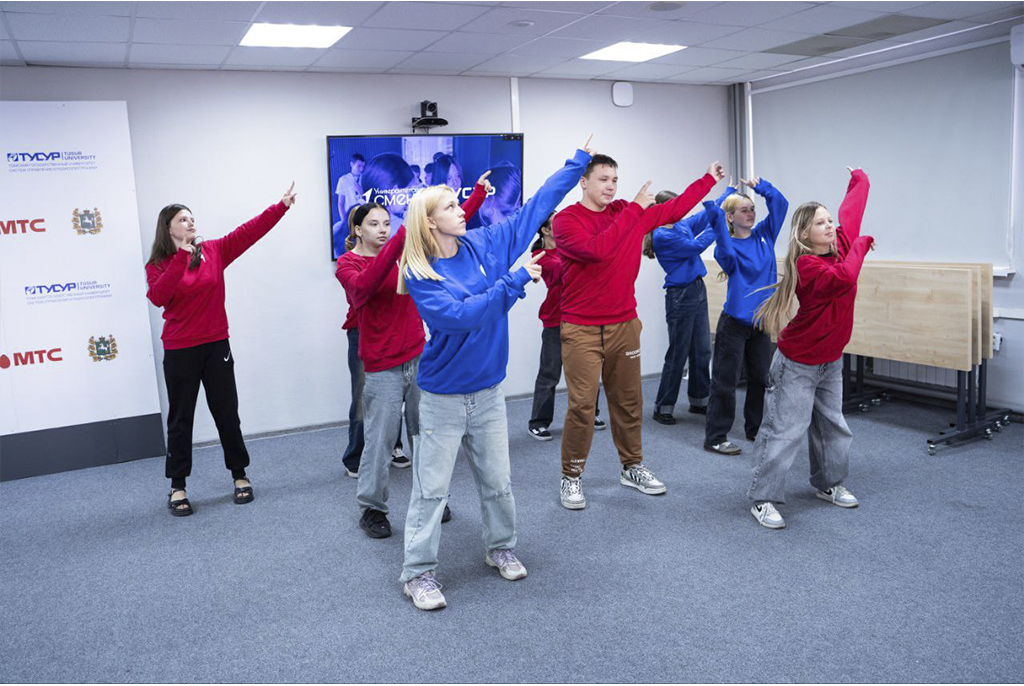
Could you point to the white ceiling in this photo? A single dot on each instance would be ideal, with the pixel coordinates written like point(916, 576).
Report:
point(728, 40)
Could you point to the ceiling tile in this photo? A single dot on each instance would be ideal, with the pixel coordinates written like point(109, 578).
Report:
point(363, 38)
point(424, 15)
point(585, 68)
point(346, 70)
point(612, 29)
point(576, 7)
point(757, 60)
point(83, 54)
point(713, 74)
point(641, 9)
point(355, 59)
point(647, 71)
point(825, 44)
point(699, 57)
point(443, 61)
point(821, 19)
point(209, 11)
point(261, 67)
point(274, 57)
point(117, 9)
point(560, 47)
point(186, 67)
point(805, 63)
point(686, 33)
point(760, 74)
point(176, 54)
point(497, 21)
point(72, 29)
point(188, 31)
point(512, 65)
point(748, 13)
point(957, 10)
point(3, 30)
point(755, 40)
point(1017, 10)
point(321, 13)
point(862, 49)
point(477, 43)
point(8, 55)
point(876, 6)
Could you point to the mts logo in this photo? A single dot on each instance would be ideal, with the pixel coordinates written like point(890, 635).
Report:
point(32, 357)
point(14, 226)
point(32, 156)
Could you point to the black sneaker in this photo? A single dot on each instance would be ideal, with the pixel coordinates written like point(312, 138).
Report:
point(541, 434)
point(599, 424)
point(399, 460)
point(447, 516)
point(375, 523)
point(666, 419)
point(698, 410)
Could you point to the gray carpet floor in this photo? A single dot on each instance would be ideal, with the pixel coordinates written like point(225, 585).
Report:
point(921, 583)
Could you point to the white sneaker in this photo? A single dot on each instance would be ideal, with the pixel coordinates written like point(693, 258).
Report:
point(572, 493)
point(642, 479)
point(425, 592)
point(839, 495)
point(351, 474)
point(507, 563)
point(767, 516)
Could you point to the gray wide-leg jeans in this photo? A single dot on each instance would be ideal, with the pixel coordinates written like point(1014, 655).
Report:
point(801, 399)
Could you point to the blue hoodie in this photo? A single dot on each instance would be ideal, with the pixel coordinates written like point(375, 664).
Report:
point(467, 312)
point(679, 248)
point(750, 262)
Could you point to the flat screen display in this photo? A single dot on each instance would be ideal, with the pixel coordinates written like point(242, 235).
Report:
point(390, 169)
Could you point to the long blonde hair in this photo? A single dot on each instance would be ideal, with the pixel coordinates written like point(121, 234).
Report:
point(729, 206)
point(420, 247)
point(775, 312)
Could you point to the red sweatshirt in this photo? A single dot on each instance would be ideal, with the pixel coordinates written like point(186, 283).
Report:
point(470, 207)
point(601, 253)
point(390, 329)
point(193, 300)
point(827, 287)
point(551, 271)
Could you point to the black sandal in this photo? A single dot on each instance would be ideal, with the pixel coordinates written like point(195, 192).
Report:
point(175, 506)
point(244, 494)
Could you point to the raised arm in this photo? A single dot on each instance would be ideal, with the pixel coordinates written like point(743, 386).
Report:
point(778, 206)
point(834, 279)
point(851, 212)
point(725, 253)
point(512, 236)
point(679, 243)
point(675, 209)
point(477, 197)
point(243, 238)
point(163, 283)
point(445, 313)
point(362, 285)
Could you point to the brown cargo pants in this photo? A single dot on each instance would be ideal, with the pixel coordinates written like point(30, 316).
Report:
point(590, 353)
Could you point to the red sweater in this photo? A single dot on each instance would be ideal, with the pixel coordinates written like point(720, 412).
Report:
point(470, 207)
point(193, 300)
point(601, 253)
point(551, 271)
point(827, 287)
point(390, 328)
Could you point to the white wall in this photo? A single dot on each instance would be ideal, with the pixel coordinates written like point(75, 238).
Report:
point(228, 143)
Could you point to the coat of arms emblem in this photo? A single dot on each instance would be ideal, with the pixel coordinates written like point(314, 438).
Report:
point(87, 221)
point(102, 348)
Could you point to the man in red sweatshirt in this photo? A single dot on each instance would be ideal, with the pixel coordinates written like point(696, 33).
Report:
point(600, 239)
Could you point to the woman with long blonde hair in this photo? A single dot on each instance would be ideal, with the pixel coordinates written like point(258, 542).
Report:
point(805, 383)
point(746, 254)
point(463, 288)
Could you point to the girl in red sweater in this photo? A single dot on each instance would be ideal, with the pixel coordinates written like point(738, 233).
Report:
point(186, 278)
point(804, 396)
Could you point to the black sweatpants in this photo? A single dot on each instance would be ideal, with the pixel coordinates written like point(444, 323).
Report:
point(213, 365)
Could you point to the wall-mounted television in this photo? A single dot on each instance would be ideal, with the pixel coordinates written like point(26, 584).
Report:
point(389, 170)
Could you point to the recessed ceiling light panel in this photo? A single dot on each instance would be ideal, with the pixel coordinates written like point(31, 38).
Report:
point(293, 36)
point(632, 52)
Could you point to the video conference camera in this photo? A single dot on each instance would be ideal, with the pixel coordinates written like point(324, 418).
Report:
point(428, 118)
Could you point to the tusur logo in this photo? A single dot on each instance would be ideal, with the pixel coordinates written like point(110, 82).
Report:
point(31, 357)
point(52, 288)
point(14, 226)
point(32, 156)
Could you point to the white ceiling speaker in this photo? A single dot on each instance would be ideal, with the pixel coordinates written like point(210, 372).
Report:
point(622, 93)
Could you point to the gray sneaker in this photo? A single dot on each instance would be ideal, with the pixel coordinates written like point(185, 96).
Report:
point(507, 563)
point(767, 516)
point(425, 592)
point(839, 495)
point(571, 492)
point(642, 479)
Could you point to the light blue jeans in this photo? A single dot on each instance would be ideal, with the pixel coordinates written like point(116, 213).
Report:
point(383, 395)
point(801, 400)
point(476, 422)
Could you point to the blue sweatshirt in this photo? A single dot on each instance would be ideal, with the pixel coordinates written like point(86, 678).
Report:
point(679, 248)
point(750, 262)
point(467, 312)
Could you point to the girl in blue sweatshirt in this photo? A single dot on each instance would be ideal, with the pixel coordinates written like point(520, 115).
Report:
point(678, 249)
point(463, 290)
point(746, 254)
